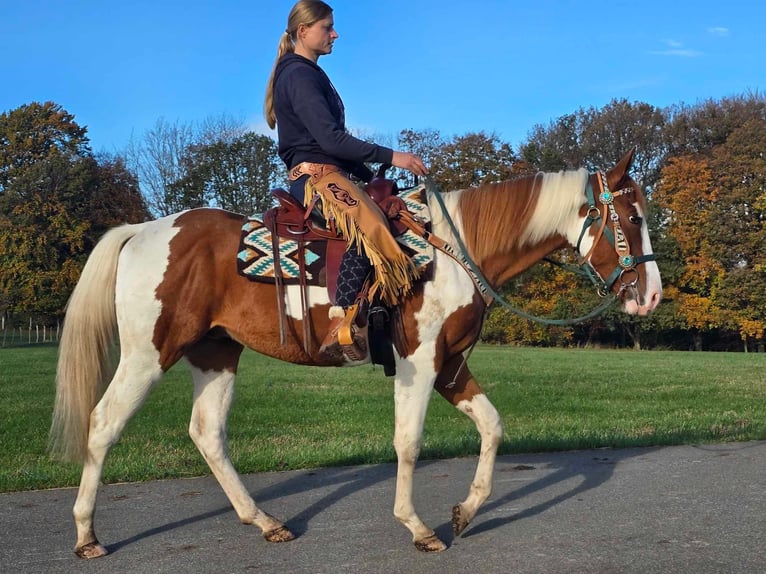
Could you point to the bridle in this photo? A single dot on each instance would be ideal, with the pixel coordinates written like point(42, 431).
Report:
point(626, 270)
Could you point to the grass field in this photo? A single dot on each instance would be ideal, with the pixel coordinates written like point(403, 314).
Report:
point(288, 417)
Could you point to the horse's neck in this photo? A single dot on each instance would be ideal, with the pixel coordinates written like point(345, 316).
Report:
point(509, 226)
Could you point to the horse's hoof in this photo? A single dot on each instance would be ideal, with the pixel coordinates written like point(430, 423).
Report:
point(91, 550)
point(430, 544)
point(281, 534)
point(459, 520)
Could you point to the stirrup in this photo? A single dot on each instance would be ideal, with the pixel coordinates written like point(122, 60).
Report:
point(344, 337)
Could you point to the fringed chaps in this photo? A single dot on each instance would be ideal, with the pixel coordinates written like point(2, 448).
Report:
point(365, 228)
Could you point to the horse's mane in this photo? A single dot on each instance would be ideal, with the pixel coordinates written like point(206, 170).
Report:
point(499, 217)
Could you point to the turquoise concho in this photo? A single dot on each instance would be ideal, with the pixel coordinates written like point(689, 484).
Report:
point(627, 261)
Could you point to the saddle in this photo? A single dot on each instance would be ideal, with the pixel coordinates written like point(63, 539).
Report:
point(289, 219)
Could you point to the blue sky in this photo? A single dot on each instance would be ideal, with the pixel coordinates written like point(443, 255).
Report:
point(457, 67)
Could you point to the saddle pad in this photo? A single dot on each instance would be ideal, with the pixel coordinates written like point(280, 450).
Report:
point(255, 259)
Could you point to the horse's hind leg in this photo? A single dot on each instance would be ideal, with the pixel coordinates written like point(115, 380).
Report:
point(127, 391)
point(466, 395)
point(213, 395)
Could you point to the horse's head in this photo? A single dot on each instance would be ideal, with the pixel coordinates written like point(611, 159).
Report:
point(615, 239)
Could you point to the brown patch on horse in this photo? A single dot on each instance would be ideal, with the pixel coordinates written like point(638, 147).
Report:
point(214, 301)
point(495, 215)
point(465, 387)
point(215, 353)
point(186, 291)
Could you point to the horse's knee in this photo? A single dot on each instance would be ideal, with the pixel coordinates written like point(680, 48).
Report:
point(407, 449)
point(495, 430)
point(195, 431)
point(485, 416)
point(208, 441)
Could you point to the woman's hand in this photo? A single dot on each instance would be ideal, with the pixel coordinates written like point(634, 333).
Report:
point(410, 162)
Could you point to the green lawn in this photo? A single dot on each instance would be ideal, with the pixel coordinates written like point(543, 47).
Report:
point(288, 417)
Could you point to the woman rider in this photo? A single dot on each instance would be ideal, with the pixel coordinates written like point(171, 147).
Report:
point(320, 156)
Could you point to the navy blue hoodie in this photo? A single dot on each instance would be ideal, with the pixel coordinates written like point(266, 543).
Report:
point(311, 124)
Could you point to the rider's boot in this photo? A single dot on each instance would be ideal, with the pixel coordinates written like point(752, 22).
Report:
point(345, 338)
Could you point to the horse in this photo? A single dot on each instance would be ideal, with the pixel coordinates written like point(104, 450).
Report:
point(168, 289)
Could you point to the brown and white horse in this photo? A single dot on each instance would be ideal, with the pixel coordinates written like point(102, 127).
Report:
point(170, 289)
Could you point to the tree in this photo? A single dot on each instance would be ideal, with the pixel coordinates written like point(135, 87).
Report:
point(114, 197)
point(424, 143)
point(685, 193)
point(620, 126)
point(158, 162)
point(31, 132)
point(186, 165)
point(737, 226)
point(237, 175)
point(596, 138)
point(471, 160)
point(556, 146)
point(700, 128)
point(55, 202)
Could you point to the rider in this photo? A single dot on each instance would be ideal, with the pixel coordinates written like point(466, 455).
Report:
point(321, 156)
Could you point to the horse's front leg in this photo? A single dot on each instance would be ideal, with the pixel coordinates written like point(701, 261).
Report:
point(412, 392)
point(466, 395)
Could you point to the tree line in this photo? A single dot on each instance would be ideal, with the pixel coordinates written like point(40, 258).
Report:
point(702, 166)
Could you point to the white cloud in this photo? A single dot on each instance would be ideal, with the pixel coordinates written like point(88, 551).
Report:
point(675, 48)
point(718, 31)
point(679, 53)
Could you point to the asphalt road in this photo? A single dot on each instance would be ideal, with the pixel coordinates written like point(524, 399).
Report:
point(694, 510)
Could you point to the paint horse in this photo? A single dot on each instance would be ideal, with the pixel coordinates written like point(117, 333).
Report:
point(169, 290)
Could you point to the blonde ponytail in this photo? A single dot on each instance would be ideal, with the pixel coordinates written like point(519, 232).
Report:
point(285, 45)
point(305, 12)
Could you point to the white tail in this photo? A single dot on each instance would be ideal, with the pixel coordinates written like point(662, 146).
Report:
point(85, 364)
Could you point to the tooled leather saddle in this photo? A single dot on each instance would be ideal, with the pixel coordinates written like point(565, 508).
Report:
point(289, 219)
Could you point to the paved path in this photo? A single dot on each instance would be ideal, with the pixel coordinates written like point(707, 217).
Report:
point(694, 510)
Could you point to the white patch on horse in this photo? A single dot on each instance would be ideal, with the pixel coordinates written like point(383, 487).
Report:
point(142, 265)
point(558, 206)
point(439, 223)
point(450, 289)
point(653, 283)
point(315, 295)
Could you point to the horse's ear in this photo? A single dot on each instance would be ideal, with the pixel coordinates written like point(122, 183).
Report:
point(620, 171)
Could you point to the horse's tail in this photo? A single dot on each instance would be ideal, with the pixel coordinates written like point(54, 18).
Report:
point(85, 363)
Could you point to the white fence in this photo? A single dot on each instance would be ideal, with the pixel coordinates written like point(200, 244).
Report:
point(11, 336)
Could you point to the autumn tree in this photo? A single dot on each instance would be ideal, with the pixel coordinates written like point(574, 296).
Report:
point(55, 201)
point(737, 226)
point(685, 196)
point(424, 143)
point(471, 160)
point(596, 138)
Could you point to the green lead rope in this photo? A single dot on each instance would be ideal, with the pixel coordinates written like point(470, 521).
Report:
point(434, 191)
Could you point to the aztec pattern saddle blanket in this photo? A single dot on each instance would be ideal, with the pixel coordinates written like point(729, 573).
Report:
point(255, 259)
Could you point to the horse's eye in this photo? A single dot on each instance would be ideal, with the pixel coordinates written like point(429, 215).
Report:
point(635, 219)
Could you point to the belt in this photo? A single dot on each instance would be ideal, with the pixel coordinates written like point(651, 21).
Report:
point(315, 170)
